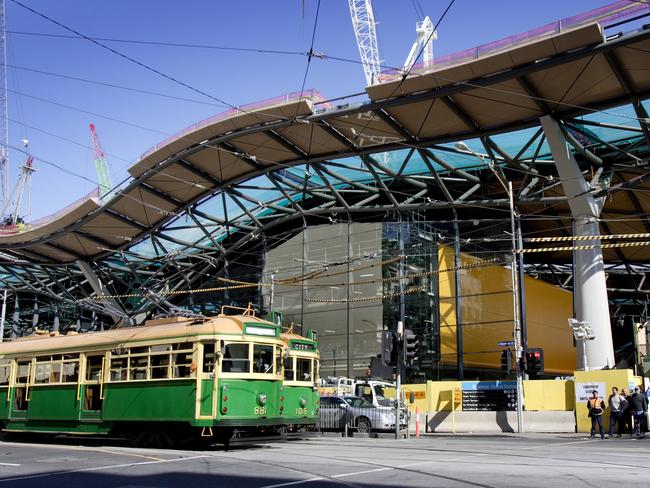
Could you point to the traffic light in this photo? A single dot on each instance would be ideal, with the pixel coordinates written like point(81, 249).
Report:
point(411, 346)
point(389, 348)
point(506, 360)
point(534, 362)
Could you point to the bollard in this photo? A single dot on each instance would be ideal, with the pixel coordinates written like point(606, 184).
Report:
point(417, 422)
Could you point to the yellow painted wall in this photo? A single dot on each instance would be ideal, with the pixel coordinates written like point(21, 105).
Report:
point(620, 378)
point(440, 395)
point(420, 391)
point(549, 395)
point(538, 394)
point(488, 316)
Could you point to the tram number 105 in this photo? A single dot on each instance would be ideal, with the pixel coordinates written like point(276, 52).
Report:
point(260, 410)
point(301, 411)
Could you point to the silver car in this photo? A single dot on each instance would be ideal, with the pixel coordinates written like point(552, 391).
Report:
point(338, 411)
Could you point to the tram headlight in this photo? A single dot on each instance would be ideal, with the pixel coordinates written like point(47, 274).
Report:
point(303, 402)
point(261, 399)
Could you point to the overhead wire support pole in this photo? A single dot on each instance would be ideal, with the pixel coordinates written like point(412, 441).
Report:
point(398, 378)
point(4, 126)
point(458, 304)
point(516, 313)
point(3, 315)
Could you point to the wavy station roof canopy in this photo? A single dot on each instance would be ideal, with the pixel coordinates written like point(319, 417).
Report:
point(215, 188)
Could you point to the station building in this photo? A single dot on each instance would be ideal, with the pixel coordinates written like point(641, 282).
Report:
point(348, 215)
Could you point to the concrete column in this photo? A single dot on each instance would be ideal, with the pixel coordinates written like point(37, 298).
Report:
point(590, 299)
point(590, 288)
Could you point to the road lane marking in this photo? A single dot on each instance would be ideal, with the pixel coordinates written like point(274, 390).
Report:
point(390, 468)
point(99, 468)
point(9, 464)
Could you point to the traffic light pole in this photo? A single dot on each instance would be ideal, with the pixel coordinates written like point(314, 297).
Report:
point(517, 314)
point(398, 379)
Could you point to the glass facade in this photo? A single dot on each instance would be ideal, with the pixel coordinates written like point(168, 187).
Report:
point(345, 281)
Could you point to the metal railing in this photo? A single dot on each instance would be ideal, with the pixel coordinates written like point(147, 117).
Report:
point(605, 15)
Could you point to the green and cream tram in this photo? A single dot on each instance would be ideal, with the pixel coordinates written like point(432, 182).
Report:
point(300, 399)
point(219, 378)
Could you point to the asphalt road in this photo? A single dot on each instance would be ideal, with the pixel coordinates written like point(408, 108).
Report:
point(430, 461)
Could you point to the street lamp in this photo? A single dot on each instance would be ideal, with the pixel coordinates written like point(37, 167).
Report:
point(582, 332)
point(507, 185)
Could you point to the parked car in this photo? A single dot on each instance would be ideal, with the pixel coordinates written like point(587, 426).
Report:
point(357, 413)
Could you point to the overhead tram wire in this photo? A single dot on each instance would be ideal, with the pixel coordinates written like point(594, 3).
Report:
point(340, 59)
point(112, 85)
point(221, 148)
point(405, 75)
point(78, 175)
point(141, 64)
point(65, 139)
point(328, 57)
point(436, 77)
point(310, 53)
point(165, 44)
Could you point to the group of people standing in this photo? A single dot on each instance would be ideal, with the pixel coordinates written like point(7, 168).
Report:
point(623, 408)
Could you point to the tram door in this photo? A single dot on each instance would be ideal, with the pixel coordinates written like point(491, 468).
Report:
point(20, 400)
point(92, 387)
point(207, 382)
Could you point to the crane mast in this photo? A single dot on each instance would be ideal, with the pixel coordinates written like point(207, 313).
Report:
point(363, 23)
point(13, 211)
point(4, 129)
point(103, 175)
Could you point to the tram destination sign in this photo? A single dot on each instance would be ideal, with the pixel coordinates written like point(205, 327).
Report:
point(489, 395)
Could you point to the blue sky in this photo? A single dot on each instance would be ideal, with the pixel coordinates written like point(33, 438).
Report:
point(60, 135)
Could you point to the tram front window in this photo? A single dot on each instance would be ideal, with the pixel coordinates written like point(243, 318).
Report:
point(262, 359)
point(235, 359)
point(304, 369)
point(288, 369)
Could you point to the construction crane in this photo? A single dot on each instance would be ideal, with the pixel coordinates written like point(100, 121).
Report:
point(425, 35)
point(363, 23)
point(13, 211)
point(4, 129)
point(103, 175)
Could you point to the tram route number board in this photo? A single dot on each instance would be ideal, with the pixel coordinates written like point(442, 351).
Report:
point(489, 395)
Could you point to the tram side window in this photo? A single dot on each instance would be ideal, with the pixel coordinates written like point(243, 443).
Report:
point(160, 361)
point(70, 368)
point(235, 359)
point(43, 370)
point(304, 369)
point(93, 367)
point(119, 370)
point(208, 357)
point(138, 367)
point(21, 374)
point(262, 358)
point(288, 369)
point(55, 371)
point(182, 362)
point(5, 369)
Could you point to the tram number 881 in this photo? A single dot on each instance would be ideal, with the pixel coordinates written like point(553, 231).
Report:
point(260, 410)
